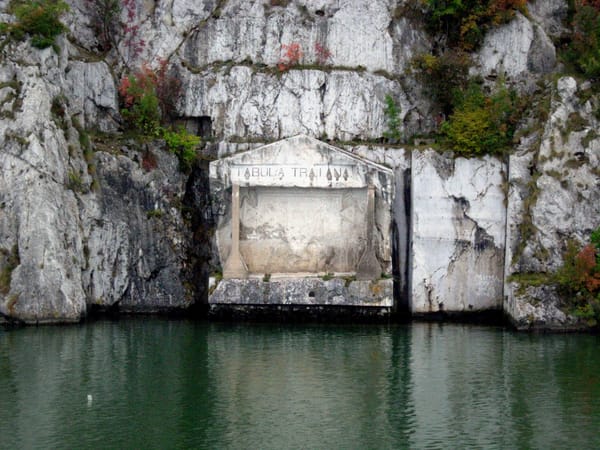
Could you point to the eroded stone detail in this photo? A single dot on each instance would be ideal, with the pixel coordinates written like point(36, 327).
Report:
point(458, 221)
point(301, 207)
point(305, 291)
point(552, 199)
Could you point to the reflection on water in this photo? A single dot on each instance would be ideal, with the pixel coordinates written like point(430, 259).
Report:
point(164, 384)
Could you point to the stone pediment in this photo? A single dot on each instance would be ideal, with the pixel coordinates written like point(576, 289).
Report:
point(300, 161)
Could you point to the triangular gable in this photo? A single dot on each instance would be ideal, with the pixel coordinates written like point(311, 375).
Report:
point(299, 161)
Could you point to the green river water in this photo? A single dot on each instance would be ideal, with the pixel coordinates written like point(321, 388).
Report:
point(153, 383)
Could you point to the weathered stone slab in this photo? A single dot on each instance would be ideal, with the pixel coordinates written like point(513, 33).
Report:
point(304, 291)
point(458, 233)
point(303, 208)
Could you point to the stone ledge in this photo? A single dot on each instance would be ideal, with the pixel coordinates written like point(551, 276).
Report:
point(304, 291)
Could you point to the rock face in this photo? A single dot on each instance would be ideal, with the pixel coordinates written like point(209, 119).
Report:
point(553, 193)
point(115, 223)
point(82, 226)
point(226, 53)
point(135, 236)
point(458, 220)
point(520, 48)
point(340, 105)
point(39, 221)
point(92, 94)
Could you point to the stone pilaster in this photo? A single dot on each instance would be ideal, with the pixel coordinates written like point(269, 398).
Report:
point(235, 266)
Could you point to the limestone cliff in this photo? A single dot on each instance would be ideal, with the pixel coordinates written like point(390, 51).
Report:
point(85, 221)
point(89, 217)
point(552, 199)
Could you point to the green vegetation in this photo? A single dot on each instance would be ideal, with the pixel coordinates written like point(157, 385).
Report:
point(472, 122)
point(39, 19)
point(392, 114)
point(348, 280)
point(88, 153)
point(529, 279)
point(465, 22)
point(147, 104)
point(140, 106)
point(578, 279)
point(157, 213)
point(443, 76)
point(583, 51)
point(482, 124)
point(218, 276)
point(75, 183)
point(183, 144)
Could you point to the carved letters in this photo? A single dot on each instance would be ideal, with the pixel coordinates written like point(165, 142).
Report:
point(272, 174)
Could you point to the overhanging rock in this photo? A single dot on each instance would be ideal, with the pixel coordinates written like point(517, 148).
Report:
point(303, 223)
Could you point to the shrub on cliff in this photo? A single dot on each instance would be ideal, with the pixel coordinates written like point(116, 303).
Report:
point(481, 124)
point(465, 22)
point(392, 114)
point(183, 144)
point(584, 49)
point(579, 279)
point(444, 76)
point(148, 100)
point(38, 19)
point(139, 101)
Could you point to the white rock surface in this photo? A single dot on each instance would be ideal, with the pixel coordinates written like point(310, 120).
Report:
point(339, 105)
point(550, 15)
point(553, 191)
point(93, 95)
point(356, 33)
point(516, 49)
point(77, 246)
point(39, 220)
point(73, 245)
point(458, 219)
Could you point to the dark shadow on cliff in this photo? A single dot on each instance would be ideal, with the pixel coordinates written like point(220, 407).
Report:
point(197, 212)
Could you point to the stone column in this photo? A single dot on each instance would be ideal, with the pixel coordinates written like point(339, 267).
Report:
point(235, 266)
point(368, 266)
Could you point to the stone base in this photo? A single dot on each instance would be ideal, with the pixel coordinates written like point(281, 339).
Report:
point(304, 291)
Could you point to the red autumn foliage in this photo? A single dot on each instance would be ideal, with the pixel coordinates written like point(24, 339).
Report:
point(586, 264)
point(133, 88)
point(150, 94)
point(292, 54)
